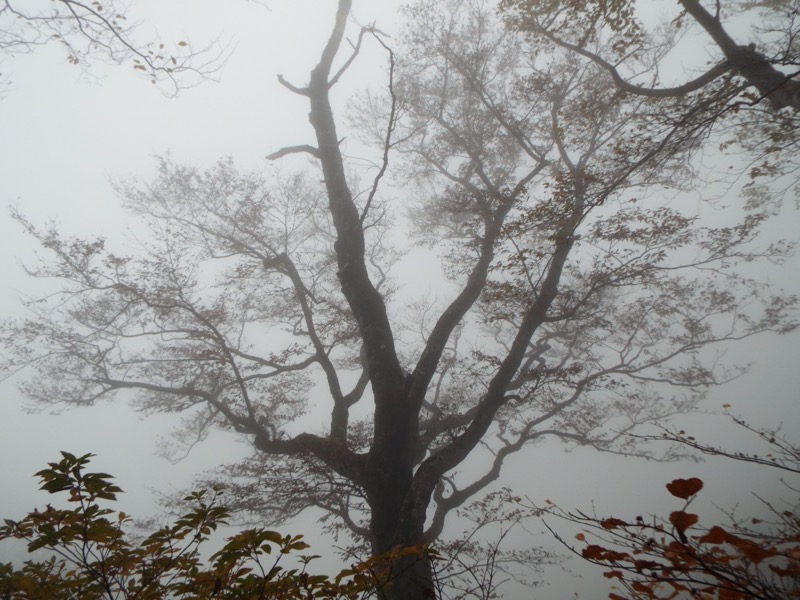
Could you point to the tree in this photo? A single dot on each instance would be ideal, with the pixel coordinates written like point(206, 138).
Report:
point(92, 556)
point(581, 303)
point(758, 557)
point(753, 84)
point(100, 31)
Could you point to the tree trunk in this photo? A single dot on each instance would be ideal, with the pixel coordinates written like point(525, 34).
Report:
point(394, 532)
point(410, 573)
point(412, 579)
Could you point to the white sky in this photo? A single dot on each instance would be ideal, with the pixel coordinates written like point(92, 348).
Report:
point(63, 137)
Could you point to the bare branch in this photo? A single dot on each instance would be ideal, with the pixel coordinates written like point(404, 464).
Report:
point(305, 148)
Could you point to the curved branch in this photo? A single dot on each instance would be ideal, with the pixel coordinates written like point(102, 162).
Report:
point(695, 84)
point(293, 88)
point(331, 452)
point(304, 148)
point(446, 504)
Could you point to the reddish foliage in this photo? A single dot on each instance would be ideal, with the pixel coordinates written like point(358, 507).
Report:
point(661, 562)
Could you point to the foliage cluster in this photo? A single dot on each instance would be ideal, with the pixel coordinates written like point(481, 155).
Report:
point(93, 556)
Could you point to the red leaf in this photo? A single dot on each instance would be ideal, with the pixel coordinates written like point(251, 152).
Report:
point(753, 551)
point(598, 553)
point(685, 488)
point(715, 535)
point(681, 520)
point(612, 523)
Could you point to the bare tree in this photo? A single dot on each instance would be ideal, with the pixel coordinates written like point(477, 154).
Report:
point(580, 304)
point(101, 31)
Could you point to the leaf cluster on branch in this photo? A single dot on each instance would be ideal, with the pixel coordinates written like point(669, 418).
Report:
point(666, 558)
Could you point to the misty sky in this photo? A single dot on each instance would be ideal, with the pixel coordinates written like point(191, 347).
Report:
point(65, 135)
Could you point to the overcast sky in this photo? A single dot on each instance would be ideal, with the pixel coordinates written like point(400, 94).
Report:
point(64, 136)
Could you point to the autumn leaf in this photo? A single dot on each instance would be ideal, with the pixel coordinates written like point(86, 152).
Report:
point(685, 488)
point(681, 520)
point(752, 551)
point(594, 552)
point(612, 523)
point(715, 535)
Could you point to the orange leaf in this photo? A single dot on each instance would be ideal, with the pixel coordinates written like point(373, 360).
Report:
point(580, 537)
point(685, 488)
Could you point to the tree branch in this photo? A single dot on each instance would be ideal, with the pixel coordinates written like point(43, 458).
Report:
point(304, 148)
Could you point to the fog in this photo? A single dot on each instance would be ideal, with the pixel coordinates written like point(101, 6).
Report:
point(67, 134)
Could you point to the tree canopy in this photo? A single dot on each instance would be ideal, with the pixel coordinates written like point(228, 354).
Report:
point(746, 81)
